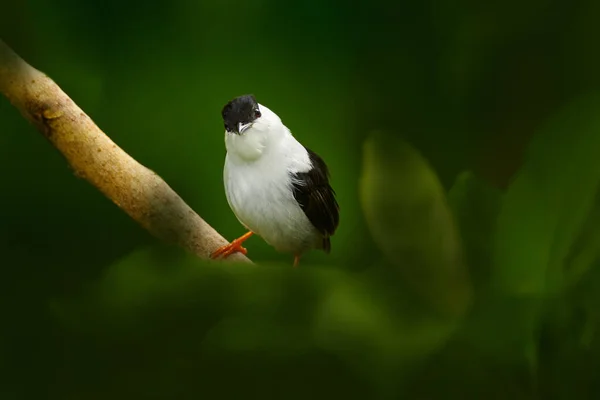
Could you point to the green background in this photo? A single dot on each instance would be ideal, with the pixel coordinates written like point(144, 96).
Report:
point(463, 140)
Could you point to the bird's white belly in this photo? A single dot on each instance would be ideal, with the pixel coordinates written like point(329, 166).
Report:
point(264, 203)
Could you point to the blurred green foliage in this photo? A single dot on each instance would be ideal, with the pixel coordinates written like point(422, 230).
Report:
point(462, 141)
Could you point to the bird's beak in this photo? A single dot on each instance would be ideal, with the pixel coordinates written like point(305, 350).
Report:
point(242, 127)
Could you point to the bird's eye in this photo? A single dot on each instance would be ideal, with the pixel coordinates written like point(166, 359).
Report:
point(257, 114)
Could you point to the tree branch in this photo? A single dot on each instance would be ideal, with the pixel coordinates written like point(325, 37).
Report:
point(137, 190)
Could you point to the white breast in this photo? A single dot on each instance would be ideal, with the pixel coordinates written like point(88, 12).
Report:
point(259, 191)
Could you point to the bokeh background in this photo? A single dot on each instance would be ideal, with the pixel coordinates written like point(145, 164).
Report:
point(463, 140)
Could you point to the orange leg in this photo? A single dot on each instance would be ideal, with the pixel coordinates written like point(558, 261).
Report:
point(296, 260)
point(233, 247)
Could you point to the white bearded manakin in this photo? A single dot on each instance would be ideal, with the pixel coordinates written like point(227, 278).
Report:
point(277, 188)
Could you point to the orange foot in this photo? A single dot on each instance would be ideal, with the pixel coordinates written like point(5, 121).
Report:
point(296, 260)
point(233, 247)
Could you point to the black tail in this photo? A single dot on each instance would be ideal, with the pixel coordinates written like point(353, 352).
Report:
point(326, 244)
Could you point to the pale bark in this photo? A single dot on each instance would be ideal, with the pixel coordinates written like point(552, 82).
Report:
point(137, 190)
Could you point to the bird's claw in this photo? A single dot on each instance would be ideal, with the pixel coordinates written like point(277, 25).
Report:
point(233, 247)
point(229, 249)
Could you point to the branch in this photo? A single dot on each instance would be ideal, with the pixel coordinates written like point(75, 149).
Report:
point(137, 190)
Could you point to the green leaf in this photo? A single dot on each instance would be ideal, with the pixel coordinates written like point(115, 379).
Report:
point(547, 204)
point(476, 204)
point(408, 216)
point(274, 321)
point(541, 217)
point(376, 337)
point(585, 251)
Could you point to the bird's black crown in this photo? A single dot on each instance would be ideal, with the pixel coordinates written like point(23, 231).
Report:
point(243, 109)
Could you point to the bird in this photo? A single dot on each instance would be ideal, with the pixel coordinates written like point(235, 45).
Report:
point(277, 188)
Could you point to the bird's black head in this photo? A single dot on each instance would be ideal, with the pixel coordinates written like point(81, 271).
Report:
point(240, 112)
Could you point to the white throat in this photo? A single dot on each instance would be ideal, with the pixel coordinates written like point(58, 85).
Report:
point(263, 134)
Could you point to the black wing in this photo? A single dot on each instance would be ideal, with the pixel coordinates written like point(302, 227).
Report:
point(316, 198)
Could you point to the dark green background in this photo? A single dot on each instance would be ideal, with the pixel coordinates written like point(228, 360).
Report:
point(463, 140)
